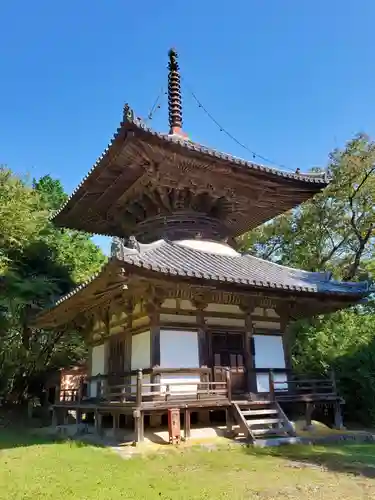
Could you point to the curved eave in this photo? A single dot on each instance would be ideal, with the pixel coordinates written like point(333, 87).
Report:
point(48, 317)
point(312, 183)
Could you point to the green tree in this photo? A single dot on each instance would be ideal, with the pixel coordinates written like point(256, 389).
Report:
point(42, 263)
point(334, 231)
point(21, 214)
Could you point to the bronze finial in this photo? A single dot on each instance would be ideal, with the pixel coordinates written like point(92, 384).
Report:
point(128, 113)
point(174, 93)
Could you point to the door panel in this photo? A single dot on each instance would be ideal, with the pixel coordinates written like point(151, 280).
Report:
point(116, 360)
point(228, 351)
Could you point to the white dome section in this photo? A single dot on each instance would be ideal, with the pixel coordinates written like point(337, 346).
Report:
point(209, 247)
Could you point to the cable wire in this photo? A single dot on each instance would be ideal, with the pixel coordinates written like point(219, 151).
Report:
point(155, 106)
point(231, 136)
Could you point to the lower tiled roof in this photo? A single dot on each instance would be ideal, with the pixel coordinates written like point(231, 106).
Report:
point(168, 258)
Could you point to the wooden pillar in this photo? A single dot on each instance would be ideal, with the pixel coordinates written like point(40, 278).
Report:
point(308, 415)
point(138, 413)
point(229, 421)
point(247, 308)
point(283, 309)
point(78, 420)
point(98, 423)
point(115, 423)
point(153, 311)
point(200, 304)
point(271, 380)
point(155, 340)
point(138, 396)
point(187, 422)
point(339, 423)
point(205, 360)
point(66, 417)
point(228, 380)
point(89, 361)
point(54, 422)
point(138, 426)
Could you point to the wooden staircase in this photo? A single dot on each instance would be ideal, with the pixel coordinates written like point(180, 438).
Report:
point(263, 422)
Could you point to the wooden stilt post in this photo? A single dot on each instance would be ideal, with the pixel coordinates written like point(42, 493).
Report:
point(308, 415)
point(229, 421)
point(66, 417)
point(115, 423)
point(78, 420)
point(54, 422)
point(187, 422)
point(229, 383)
point(139, 426)
point(339, 424)
point(139, 417)
point(98, 423)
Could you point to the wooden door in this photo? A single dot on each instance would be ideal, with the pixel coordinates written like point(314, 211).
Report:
point(116, 360)
point(228, 351)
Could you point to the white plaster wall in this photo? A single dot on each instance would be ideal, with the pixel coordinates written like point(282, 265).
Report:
point(179, 349)
point(97, 367)
point(180, 383)
point(269, 351)
point(98, 360)
point(141, 351)
point(263, 382)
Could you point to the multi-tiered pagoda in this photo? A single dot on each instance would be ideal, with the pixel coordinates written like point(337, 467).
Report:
point(207, 325)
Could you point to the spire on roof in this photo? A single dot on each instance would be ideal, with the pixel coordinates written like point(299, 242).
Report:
point(174, 95)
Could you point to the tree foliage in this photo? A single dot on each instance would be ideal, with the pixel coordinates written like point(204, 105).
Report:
point(334, 231)
point(39, 263)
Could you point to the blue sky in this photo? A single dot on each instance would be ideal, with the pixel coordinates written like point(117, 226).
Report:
point(292, 79)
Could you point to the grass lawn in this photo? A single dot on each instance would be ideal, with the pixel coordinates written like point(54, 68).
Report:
point(33, 468)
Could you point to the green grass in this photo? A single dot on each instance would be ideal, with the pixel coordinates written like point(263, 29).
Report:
point(35, 468)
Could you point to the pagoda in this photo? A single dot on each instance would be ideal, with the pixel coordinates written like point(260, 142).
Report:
point(178, 317)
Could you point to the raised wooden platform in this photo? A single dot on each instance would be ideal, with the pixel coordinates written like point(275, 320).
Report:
point(142, 398)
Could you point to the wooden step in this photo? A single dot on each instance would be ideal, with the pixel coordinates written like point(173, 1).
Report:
point(278, 441)
point(255, 413)
point(264, 421)
point(269, 432)
point(260, 402)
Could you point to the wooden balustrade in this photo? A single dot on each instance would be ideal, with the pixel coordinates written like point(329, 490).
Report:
point(141, 391)
point(302, 385)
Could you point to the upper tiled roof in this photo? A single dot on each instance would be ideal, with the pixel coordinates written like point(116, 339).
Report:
point(120, 158)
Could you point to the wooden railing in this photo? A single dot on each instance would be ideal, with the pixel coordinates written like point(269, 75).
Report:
point(143, 390)
point(70, 395)
point(301, 386)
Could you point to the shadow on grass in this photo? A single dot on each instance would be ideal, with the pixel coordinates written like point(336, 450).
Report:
point(357, 459)
point(21, 438)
